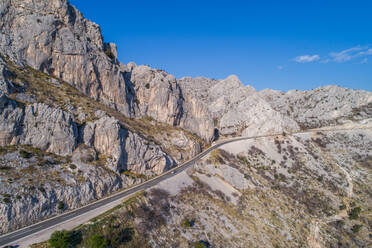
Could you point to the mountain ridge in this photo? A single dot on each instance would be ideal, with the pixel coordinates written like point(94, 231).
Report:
point(93, 125)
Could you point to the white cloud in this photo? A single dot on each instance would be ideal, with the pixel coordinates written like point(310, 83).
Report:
point(346, 55)
point(280, 67)
point(351, 53)
point(306, 58)
point(364, 61)
point(367, 52)
point(324, 61)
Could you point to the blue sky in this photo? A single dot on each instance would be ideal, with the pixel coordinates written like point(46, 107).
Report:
point(267, 44)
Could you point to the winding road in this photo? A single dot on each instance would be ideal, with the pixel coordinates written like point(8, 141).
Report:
point(14, 237)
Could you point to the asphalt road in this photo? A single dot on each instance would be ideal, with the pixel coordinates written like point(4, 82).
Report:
point(11, 238)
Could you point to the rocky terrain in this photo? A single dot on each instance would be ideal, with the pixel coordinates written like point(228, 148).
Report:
point(236, 109)
point(77, 124)
point(305, 190)
point(324, 106)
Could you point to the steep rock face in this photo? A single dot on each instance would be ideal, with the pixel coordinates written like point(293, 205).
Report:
point(54, 37)
point(53, 130)
point(38, 125)
point(143, 156)
point(197, 119)
point(10, 117)
point(236, 109)
point(49, 129)
point(5, 85)
point(321, 107)
point(158, 94)
point(125, 150)
point(160, 97)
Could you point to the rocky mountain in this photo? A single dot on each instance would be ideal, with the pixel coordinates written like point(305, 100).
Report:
point(77, 124)
point(55, 38)
point(324, 106)
point(236, 109)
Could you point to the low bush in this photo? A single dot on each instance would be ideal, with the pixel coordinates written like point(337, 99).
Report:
point(60, 239)
point(215, 157)
point(25, 154)
point(201, 244)
point(61, 205)
point(188, 223)
point(342, 207)
point(109, 53)
point(97, 241)
point(356, 228)
point(64, 239)
point(354, 213)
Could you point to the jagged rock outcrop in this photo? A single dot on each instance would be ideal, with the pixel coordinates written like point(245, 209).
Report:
point(10, 117)
point(158, 94)
point(54, 37)
point(125, 150)
point(49, 129)
point(38, 125)
point(5, 85)
point(160, 97)
point(236, 109)
point(323, 106)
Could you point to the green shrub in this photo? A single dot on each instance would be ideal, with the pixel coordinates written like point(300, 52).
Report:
point(41, 163)
point(200, 244)
point(65, 239)
point(61, 239)
point(25, 154)
point(342, 207)
point(109, 53)
point(61, 205)
point(6, 200)
point(97, 241)
point(188, 223)
point(72, 166)
point(215, 157)
point(354, 213)
point(147, 86)
point(356, 228)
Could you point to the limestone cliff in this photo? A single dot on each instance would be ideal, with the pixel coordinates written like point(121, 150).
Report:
point(55, 38)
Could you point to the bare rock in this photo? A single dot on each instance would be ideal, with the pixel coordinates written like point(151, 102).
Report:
point(49, 129)
point(125, 150)
point(323, 106)
point(84, 154)
point(235, 109)
point(54, 37)
point(11, 118)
